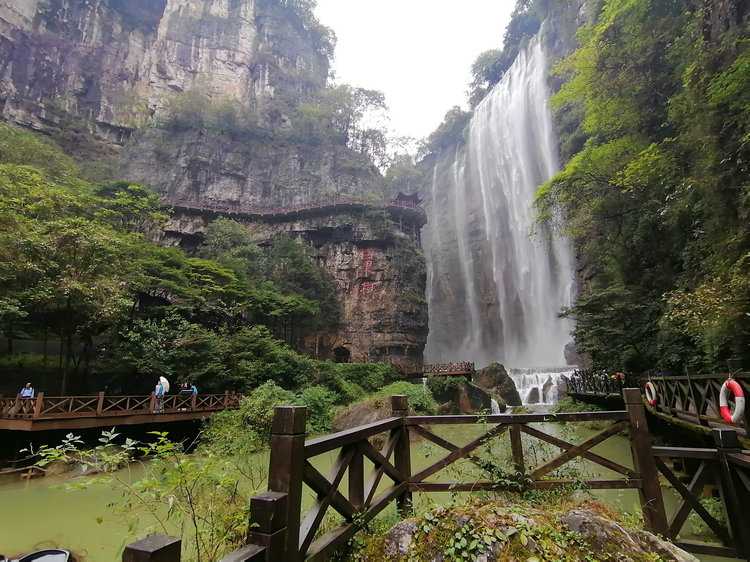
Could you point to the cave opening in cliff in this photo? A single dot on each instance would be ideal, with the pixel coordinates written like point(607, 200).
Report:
point(342, 355)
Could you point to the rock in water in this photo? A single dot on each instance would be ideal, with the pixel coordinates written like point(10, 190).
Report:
point(496, 378)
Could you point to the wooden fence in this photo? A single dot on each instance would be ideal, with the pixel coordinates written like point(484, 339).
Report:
point(102, 405)
point(695, 397)
point(280, 531)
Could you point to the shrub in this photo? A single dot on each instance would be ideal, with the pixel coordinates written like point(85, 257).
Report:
point(370, 376)
point(420, 398)
point(321, 405)
point(442, 388)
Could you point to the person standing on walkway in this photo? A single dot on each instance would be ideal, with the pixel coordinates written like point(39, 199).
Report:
point(27, 391)
point(159, 391)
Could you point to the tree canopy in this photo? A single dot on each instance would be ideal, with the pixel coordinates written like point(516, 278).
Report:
point(655, 193)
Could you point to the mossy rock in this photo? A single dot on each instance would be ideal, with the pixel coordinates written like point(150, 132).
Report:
point(500, 530)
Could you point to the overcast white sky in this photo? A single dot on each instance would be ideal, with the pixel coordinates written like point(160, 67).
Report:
point(417, 52)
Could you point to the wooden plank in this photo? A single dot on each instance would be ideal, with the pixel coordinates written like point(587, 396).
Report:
point(516, 446)
point(377, 474)
point(325, 546)
point(739, 459)
point(708, 549)
point(321, 486)
point(614, 415)
point(327, 443)
point(458, 453)
point(690, 501)
point(381, 461)
point(629, 472)
point(311, 522)
point(595, 484)
point(577, 450)
point(357, 476)
point(684, 452)
point(430, 436)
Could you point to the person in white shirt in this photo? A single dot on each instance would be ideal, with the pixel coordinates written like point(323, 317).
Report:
point(27, 391)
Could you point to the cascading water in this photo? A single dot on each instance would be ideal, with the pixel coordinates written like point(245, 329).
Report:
point(494, 290)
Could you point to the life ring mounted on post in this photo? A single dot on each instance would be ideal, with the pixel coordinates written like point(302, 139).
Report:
point(651, 395)
point(739, 401)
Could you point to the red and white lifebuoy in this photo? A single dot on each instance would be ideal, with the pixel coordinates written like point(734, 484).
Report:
point(739, 401)
point(651, 395)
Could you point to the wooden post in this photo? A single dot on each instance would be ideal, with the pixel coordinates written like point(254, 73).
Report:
point(152, 403)
point(286, 466)
point(38, 405)
point(16, 409)
point(402, 453)
point(734, 495)
point(156, 548)
point(357, 478)
point(193, 401)
point(226, 401)
point(268, 524)
point(100, 404)
point(652, 503)
point(517, 447)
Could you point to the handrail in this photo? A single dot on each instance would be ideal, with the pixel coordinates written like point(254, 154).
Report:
point(695, 397)
point(42, 407)
point(460, 367)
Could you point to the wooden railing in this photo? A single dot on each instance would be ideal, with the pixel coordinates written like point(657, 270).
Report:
point(696, 397)
point(462, 367)
point(598, 382)
point(280, 531)
point(102, 405)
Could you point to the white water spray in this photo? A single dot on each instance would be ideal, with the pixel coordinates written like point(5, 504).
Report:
point(494, 290)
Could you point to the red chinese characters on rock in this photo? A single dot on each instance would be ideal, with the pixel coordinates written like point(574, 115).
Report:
point(366, 270)
point(367, 254)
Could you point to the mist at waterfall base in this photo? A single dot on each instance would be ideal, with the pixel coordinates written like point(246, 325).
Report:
point(495, 289)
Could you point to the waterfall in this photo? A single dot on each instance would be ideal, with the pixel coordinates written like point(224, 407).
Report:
point(495, 407)
point(540, 385)
point(494, 289)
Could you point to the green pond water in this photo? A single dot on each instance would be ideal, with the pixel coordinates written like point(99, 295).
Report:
point(37, 515)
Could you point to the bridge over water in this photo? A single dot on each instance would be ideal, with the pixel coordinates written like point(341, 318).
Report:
point(82, 412)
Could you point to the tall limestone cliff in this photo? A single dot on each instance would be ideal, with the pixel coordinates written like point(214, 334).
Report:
point(218, 104)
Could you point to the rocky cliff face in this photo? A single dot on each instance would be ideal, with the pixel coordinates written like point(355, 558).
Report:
point(378, 270)
point(114, 62)
point(141, 74)
point(211, 103)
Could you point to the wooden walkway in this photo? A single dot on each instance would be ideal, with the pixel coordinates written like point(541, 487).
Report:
point(447, 369)
point(690, 399)
point(81, 412)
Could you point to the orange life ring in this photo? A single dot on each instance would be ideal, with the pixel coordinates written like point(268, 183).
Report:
point(739, 401)
point(651, 394)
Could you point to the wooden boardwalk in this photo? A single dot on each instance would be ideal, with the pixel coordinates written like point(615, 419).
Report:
point(81, 412)
point(447, 369)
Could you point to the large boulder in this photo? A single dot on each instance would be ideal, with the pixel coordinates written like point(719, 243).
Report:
point(497, 530)
point(497, 379)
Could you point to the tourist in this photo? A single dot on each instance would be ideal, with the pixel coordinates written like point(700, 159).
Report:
point(27, 391)
point(159, 391)
point(193, 388)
